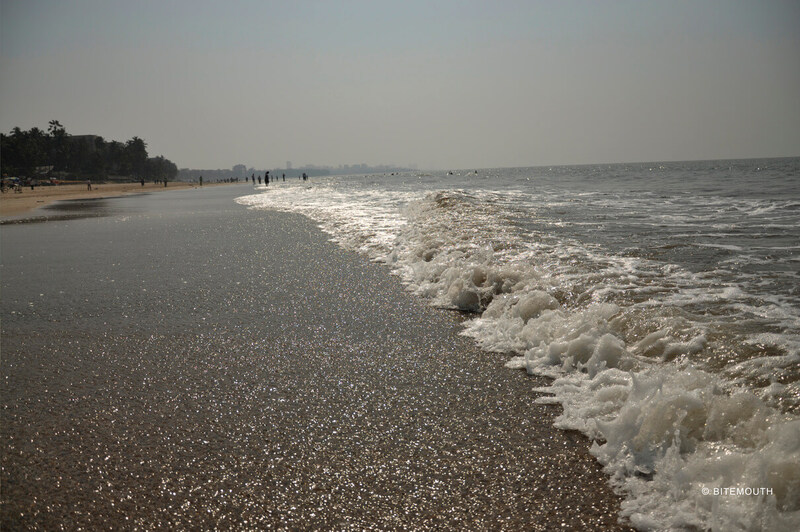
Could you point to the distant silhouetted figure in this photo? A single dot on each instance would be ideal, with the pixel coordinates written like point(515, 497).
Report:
point(142, 181)
point(266, 178)
point(305, 176)
point(253, 177)
point(165, 182)
point(259, 180)
point(201, 181)
point(88, 185)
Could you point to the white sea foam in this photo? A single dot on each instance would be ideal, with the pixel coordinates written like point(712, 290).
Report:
point(621, 336)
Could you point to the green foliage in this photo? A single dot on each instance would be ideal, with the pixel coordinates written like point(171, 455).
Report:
point(34, 152)
point(23, 150)
point(161, 168)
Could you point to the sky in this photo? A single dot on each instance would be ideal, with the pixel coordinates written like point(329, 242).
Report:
point(438, 84)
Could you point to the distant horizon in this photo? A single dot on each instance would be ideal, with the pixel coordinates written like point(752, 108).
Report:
point(413, 166)
point(420, 169)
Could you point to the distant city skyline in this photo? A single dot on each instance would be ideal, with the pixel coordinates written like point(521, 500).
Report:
point(446, 84)
point(243, 168)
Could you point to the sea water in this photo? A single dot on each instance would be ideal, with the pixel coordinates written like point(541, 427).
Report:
point(663, 299)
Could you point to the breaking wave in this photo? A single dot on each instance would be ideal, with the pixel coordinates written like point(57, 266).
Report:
point(653, 362)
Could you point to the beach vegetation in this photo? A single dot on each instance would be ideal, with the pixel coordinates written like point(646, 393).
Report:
point(55, 153)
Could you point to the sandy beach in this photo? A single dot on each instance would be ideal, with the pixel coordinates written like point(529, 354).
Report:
point(15, 203)
point(197, 365)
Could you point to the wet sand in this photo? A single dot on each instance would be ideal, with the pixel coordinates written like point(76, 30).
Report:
point(196, 365)
point(15, 203)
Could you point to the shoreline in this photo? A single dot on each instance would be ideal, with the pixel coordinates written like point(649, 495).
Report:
point(15, 204)
point(299, 380)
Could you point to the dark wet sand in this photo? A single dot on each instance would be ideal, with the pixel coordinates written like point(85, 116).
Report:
point(190, 364)
point(15, 205)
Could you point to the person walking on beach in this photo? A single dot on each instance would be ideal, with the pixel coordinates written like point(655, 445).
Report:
point(88, 184)
point(266, 178)
point(284, 178)
point(142, 181)
point(201, 181)
point(253, 177)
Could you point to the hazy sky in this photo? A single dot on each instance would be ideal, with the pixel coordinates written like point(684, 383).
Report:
point(443, 84)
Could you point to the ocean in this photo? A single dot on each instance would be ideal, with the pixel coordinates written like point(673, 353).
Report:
point(662, 299)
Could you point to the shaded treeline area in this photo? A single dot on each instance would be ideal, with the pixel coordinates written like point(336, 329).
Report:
point(56, 153)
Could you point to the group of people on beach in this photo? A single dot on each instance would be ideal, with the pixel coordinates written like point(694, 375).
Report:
point(11, 183)
point(267, 178)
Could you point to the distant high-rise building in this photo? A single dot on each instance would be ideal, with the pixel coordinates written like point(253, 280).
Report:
point(239, 170)
point(288, 165)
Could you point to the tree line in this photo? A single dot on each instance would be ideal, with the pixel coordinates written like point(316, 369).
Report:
point(37, 153)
